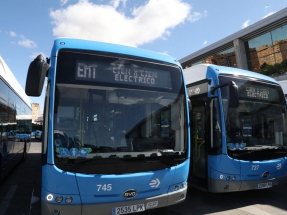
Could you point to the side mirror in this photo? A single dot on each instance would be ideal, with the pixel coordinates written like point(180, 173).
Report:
point(233, 95)
point(36, 75)
point(175, 116)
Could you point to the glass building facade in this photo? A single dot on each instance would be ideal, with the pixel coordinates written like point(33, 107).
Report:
point(267, 50)
point(223, 58)
point(264, 49)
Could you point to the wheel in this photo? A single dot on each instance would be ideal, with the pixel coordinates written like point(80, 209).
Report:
point(24, 152)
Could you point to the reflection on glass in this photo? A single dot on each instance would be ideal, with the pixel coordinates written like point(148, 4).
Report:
point(258, 123)
point(12, 120)
point(279, 33)
point(267, 50)
point(223, 58)
point(116, 120)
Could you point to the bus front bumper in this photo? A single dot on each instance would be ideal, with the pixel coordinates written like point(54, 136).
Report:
point(223, 186)
point(128, 206)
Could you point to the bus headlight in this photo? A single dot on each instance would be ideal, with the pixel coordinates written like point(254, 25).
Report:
point(59, 199)
point(69, 199)
point(49, 197)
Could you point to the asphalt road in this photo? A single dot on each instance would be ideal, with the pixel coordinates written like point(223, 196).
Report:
point(20, 192)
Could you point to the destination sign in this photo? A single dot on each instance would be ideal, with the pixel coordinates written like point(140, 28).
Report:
point(259, 92)
point(252, 89)
point(122, 73)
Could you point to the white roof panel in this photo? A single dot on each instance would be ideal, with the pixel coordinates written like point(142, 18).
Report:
point(9, 77)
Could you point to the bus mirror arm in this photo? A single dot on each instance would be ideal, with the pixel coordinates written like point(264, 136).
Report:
point(189, 105)
point(233, 93)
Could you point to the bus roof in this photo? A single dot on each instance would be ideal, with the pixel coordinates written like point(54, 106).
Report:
point(9, 77)
point(80, 44)
point(201, 70)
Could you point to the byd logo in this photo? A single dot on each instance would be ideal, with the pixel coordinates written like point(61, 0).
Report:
point(130, 194)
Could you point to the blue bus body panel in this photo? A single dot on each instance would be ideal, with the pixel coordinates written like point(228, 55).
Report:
point(224, 164)
point(235, 71)
point(181, 172)
point(90, 186)
point(255, 169)
point(247, 170)
point(109, 48)
point(58, 181)
point(93, 188)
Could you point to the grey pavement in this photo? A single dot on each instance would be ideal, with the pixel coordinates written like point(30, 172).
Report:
point(20, 195)
point(22, 183)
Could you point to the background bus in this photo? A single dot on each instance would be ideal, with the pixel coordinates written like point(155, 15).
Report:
point(115, 137)
point(238, 128)
point(15, 121)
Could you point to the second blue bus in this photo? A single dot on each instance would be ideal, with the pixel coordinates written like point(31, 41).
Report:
point(238, 128)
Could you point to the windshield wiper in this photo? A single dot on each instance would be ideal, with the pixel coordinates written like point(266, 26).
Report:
point(279, 146)
point(169, 152)
point(248, 152)
point(91, 161)
point(169, 155)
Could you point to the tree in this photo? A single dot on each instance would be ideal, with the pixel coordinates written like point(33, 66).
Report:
point(277, 68)
point(263, 65)
point(284, 63)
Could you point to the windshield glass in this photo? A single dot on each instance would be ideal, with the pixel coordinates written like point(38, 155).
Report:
point(256, 129)
point(110, 124)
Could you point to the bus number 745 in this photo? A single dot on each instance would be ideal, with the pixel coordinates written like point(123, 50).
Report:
point(104, 187)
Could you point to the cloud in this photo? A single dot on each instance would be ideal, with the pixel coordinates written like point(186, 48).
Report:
point(63, 2)
point(205, 42)
point(116, 3)
point(13, 34)
point(104, 23)
point(246, 23)
point(195, 16)
point(269, 14)
point(26, 42)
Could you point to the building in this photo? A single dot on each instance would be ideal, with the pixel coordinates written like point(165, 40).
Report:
point(35, 111)
point(260, 47)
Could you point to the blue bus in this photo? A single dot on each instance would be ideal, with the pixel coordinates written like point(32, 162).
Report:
point(238, 129)
point(115, 131)
point(15, 121)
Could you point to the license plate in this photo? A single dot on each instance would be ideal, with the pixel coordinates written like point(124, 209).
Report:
point(128, 209)
point(264, 185)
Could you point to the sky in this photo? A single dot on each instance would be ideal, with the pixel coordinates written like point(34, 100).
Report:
point(174, 27)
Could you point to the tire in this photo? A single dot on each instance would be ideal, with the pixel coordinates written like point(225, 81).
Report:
point(24, 153)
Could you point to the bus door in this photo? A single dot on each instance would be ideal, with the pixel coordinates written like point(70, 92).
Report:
point(197, 93)
point(198, 166)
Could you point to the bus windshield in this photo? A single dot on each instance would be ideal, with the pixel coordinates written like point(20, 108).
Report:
point(256, 129)
point(115, 114)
